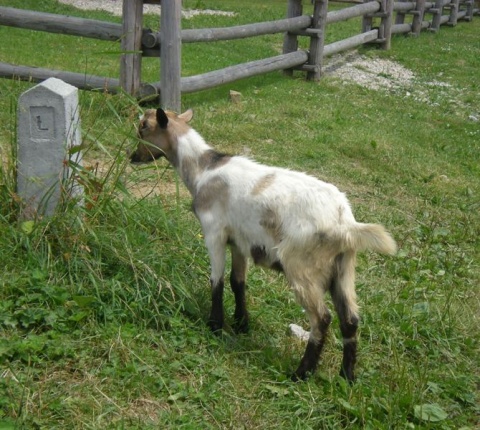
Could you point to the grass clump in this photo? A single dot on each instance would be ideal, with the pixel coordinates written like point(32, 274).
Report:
point(103, 306)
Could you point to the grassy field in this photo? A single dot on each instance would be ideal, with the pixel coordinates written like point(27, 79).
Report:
point(103, 309)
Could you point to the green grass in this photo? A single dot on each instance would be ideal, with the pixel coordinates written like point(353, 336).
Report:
point(103, 309)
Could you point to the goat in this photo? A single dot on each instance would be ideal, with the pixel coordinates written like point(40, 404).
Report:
point(281, 219)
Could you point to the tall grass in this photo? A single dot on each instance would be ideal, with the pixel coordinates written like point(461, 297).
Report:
point(103, 306)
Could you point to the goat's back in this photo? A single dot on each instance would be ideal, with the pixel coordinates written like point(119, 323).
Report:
point(278, 207)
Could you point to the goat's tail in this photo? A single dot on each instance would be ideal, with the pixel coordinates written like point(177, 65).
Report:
point(370, 236)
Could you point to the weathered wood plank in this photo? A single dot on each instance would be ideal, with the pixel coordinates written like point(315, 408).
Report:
point(290, 40)
point(437, 15)
point(350, 43)
point(385, 30)
point(418, 17)
point(453, 13)
point(401, 28)
point(170, 55)
point(153, 39)
point(244, 31)
point(319, 22)
point(404, 6)
point(240, 71)
point(462, 14)
point(63, 24)
point(353, 11)
point(131, 63)
point(79, 80)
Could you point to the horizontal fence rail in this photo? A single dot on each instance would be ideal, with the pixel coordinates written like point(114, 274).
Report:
point(153, 39)
point(79, 80)
point(350, 43)
point(352, 12)
point(63, 24)
point(240, 71)
point(380, 20)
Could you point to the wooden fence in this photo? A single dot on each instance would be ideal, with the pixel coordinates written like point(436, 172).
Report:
point(381, 19)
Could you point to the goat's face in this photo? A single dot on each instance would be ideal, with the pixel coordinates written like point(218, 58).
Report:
point(158, 131)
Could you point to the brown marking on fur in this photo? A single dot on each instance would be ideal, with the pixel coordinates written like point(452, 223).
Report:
point(271, 222)
point(189, 171)
point(214, 190)
point(262, 184)
point(212, 159)
point(322, 237)
point(177, 125)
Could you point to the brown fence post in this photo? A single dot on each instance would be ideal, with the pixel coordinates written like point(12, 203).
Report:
point(367, 21)
point(385, 29)
point(131, 44)
point(470, 9)
point(437, 15)
point(453, 13)
point(400, 17)
point(418, 17)
point(290, 40)
point(317, 39)
point(170, 54)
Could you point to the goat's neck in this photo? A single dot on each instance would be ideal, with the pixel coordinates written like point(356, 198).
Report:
point(190, 153)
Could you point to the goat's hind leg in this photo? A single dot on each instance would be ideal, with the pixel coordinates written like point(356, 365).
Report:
point(237, 282)
point(342, 289)
point(313, 302)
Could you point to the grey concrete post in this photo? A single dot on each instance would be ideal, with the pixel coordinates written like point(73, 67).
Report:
point(48, 132)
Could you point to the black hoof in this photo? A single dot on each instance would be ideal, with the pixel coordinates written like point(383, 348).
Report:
point(241, 326)
point(348, 376)
point(215, 326)
point(299, 376)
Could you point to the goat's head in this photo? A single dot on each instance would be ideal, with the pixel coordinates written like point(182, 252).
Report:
point(158, 131)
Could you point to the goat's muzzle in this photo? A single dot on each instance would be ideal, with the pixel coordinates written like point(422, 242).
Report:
point(139, 156)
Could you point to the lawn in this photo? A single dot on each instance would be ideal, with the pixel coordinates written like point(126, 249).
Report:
point(103, 308)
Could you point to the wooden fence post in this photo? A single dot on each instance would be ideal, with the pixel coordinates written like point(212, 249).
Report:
point(418, 17)
point(470, 9)
point(290, 41)
point(317, 39)
point(170, 54)
point(131, 44)
point(452, 20)
point(400, 17)
point(367, 20)
point(437, 15)
point(385, 29)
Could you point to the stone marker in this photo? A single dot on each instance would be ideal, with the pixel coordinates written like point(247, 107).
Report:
point(48, 129)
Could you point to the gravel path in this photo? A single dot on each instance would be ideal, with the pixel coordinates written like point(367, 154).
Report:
point(115, 7)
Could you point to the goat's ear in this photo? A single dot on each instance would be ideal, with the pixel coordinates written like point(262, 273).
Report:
point(187, 115)
point(162, 118)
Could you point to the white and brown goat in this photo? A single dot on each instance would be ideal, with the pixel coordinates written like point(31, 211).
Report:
point(282, 219)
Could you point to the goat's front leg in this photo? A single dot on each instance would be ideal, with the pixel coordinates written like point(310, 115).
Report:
point(216, 250)
point(237, 282)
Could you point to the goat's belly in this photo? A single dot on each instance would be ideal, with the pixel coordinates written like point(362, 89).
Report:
point(262, 252)
point(262, 256)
